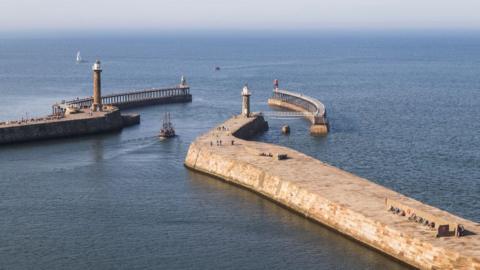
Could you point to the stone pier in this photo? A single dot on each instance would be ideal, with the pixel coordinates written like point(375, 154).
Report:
point(68, 119)
point(406, 229)
point(72, 124)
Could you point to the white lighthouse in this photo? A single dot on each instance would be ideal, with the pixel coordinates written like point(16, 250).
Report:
point(246, 101)
point(97, 87)
point(275, 85)
point(183, 82)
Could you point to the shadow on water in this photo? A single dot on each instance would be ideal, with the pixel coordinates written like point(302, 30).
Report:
point(58, 142)
point(97, 150)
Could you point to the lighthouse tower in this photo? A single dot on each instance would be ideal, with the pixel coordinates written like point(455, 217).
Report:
point(183, 82)
point(97, 87)
point(246, 101)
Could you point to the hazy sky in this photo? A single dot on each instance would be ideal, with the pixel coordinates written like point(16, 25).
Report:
point(239, 14)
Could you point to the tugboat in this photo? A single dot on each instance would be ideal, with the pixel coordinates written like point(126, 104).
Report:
point(167, 130)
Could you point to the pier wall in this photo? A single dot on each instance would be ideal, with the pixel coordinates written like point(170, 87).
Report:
point(251, 128)
point(111, 121)
point(342, 201)
point(130, 119)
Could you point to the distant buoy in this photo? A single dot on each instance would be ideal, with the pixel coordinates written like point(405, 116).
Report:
point(286, 129)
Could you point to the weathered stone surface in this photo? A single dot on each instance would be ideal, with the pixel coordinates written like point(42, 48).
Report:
point(319, 129)
point(71, 125)
point(130, 119)
point(347, 203)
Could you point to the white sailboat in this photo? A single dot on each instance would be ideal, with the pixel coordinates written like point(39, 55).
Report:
point(79, 57)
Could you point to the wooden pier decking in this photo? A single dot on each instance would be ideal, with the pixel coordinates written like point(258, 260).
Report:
point(132, 99)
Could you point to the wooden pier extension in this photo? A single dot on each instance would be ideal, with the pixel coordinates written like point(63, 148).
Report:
point(132, 99)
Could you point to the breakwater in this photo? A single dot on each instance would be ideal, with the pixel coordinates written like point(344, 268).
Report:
point(406, 229)
point(311, 108)
point(81, 123)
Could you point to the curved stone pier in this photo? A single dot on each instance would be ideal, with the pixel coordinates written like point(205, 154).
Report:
point(314, 110)
point(351, 205)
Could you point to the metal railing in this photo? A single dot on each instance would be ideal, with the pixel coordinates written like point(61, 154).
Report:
point(286, 114)
point(314, 109)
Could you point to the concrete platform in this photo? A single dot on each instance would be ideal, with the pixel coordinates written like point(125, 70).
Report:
point(345, 202)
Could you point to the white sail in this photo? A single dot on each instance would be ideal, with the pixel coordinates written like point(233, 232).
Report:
point(79, 57)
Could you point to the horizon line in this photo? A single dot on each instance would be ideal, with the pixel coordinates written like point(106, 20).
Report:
point(76, 32)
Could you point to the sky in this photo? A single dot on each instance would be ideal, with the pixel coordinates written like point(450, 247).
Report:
point(34, 15)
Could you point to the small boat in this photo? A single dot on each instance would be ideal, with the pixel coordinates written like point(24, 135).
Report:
point(217, 68)
point(79, 58)
point(167, 130)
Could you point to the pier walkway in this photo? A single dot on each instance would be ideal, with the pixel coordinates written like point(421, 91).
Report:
point(406, 229)
point(311, 108)
point(132, 99)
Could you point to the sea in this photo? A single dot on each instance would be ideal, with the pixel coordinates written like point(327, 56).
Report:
point(404, 109)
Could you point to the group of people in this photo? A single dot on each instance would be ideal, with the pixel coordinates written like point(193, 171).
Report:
point(31, 120)
point(219, 142)
point(222, 128)
point(413, 217)
point(443, 229)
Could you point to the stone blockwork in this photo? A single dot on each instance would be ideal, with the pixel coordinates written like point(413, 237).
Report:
point(130, 119)
point(71, 125)
point(347, 203)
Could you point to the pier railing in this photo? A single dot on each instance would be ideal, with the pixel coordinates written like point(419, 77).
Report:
point(314, 109)
point(129, 99)
point(283, 114)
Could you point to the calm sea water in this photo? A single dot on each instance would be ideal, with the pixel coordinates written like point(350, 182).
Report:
point(404, 112)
